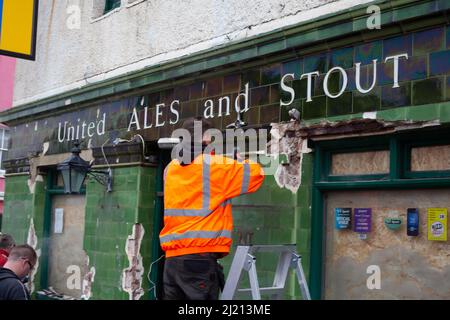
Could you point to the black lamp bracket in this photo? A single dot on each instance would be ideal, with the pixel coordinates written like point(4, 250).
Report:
point(102, 177)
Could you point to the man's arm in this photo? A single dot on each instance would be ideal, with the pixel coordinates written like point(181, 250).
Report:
point(243, 177)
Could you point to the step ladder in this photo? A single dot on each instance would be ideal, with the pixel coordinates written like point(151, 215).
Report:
point(244, 259)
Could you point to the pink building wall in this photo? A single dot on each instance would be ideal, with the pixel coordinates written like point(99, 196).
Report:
point(7, 76)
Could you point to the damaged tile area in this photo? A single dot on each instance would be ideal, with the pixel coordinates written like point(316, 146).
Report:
point(133, 275)
point(88, 280)
point(32, 241)
point(287, 140)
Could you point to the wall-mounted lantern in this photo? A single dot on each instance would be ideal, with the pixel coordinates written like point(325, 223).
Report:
point(75, 169)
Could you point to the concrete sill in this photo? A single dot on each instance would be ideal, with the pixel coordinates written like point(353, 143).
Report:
point(106, 15)
point(129, 5)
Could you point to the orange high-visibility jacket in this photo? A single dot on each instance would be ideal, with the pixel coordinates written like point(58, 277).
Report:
point(197, 206)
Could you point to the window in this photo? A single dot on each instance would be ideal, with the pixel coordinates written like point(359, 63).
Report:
point(111, 5)
point(4, 144)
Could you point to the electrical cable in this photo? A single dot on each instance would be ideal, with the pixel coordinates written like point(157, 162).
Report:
point(148, 277)
point(143, 145)
point(104, 156)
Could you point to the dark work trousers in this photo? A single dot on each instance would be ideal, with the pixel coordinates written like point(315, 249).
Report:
point(193, 277)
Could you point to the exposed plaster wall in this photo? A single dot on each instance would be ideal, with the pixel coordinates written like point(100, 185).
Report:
point(143, 35)
point(88, 280)
point(133, 275)
point(32, 182)
point(32, 241)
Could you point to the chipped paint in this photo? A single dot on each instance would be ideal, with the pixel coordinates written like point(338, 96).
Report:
point(88, 280)
point(133, 275)
point(32, 183)
point(45, 147)
point(32, 241)
point(287, 139)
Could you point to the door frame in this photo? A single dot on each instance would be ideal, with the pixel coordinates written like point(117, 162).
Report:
point(51, 190)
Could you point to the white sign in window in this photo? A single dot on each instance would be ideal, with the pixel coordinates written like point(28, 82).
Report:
point(59, 220)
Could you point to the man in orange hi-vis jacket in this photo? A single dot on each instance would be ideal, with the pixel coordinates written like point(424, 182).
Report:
point(198, 221)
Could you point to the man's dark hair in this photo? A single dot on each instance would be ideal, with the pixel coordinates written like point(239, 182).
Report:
point(195, 147)
point(6, 241)
point(23, 251)
point(189, 125)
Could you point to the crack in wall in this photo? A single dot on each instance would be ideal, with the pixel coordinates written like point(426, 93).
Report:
point(133, 275)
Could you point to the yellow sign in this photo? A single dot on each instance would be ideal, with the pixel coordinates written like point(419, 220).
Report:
point(18, 24)
point(437, 224)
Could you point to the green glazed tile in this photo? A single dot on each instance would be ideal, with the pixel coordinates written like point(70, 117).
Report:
point(253, 77)
point(259, 96)
point(252, 115)
point(366, 102)
point(428, 91)
point(428, 41)
point(300, 89)
point(413, 69)
point(396, 97)
point(341, 58)
point(214, 87)
point(367, 52)
point(293, 66)
point(231, 83)
point(340, 106)
point(448, 88)
point(440, 62)
point(317, 108)
point(397, 45)
point(448, 36)
point(270, 114)
point(317, 62)
point(270, 74)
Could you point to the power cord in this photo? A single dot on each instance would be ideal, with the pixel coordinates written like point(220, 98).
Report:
point(104, 156)
point(148, 277)
point(143, 145)
point(134, 139)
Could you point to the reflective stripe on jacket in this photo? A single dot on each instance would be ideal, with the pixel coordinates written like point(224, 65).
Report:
point(197, 206)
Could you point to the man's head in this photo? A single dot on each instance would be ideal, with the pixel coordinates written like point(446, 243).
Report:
point(6, 242)
point(199, 124)
point(21, 260)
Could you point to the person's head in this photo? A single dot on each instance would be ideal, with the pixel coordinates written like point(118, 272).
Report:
point(202, 125)
point(7, 242)
point(21, 260)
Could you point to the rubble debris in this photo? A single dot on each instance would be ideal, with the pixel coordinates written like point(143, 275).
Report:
point(52, 294)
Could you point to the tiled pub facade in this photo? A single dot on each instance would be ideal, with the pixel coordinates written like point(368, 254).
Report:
point(121, 228)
